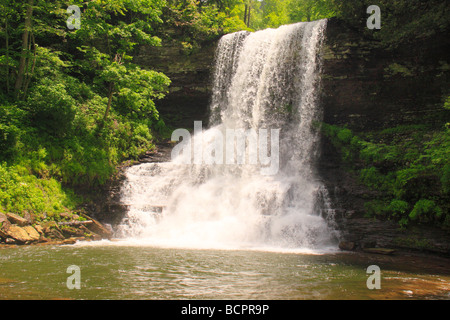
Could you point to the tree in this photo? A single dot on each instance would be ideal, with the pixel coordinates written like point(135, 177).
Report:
point(402, 21)
point(25, 40)
point(123, 25)
point(308, 10)
point(274, 14)
point(6, 16)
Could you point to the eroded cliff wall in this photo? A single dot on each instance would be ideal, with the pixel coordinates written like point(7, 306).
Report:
point(367, 88)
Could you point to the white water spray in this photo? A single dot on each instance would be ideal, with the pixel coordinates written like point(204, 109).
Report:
point(267, 79)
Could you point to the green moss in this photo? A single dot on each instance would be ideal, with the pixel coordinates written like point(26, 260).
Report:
point(398, 69)
point(376, 208)
point(413, 242)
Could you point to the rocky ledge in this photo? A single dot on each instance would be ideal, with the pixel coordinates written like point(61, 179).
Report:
point(18, 230)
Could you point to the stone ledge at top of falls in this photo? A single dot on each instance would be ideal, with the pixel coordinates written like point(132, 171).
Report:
point(15, 229)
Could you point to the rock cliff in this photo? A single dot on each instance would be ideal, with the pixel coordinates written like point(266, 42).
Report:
point(190, 73)
point(367, 88)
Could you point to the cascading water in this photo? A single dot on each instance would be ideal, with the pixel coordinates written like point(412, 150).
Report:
point(263, 80)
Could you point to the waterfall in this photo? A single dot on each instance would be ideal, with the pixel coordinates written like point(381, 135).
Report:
point(263, 80)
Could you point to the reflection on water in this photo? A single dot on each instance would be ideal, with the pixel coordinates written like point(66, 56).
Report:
point(133, 272)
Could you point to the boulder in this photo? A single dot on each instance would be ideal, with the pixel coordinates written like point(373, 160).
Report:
point(69, 241)
point(39, 229)
point(18, 233)
point(3, 235)
point(55, 234)
point(379, 250)
point(97, 228)
point(71, 231)
point(16, 219)
point(4, 224)
point(3, 218)
point(347, 245)
point(32, 233)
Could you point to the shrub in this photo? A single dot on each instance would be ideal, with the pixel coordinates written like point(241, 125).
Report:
point(398, 207)
point(8, 140)
point(344, 135)
point(51, 108)
point(21, 191)
point(425, 210)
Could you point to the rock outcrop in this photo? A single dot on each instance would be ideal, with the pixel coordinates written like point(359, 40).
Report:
point(190, 73)
point(15, 229)
point(365, 89)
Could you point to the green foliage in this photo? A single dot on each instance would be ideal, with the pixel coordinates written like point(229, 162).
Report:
point(398, 207)
point(383, 208)
point(344, 135)
point(408, 165)
point(372, 178)
point(199, 21)
point(83, 106)
point(342, 139)
point(21, 191)
point(424, 210)
point(8, 140)
point(208, 19)
point(51, 108)
point(397, 69)
point(309, 10)
point(137, 90)
point(402, 21)
point(274, 14)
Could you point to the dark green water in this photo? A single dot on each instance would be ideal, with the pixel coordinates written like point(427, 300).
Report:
point(136, 272)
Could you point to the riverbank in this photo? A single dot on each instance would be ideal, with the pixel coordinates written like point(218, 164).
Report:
point(71, 227)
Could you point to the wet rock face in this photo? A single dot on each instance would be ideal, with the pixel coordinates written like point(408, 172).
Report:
point(367, 88)
point(190, 73)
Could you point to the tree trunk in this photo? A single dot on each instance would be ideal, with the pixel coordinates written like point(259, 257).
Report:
point(308, 12)
point(248, 16)
point(30, 75)
point(7, 55)
point(108, 107)
point(245, 14)
point(23, 56)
